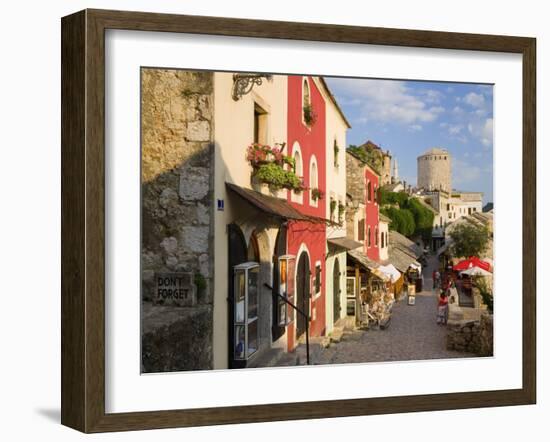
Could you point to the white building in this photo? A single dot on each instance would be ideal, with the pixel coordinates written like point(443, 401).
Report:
point(335, 275)
point(384, 240)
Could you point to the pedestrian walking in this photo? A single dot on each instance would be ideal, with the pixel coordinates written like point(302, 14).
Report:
point(443, 308)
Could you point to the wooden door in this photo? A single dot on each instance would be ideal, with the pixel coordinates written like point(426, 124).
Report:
point(336, 290)
point(302, 293)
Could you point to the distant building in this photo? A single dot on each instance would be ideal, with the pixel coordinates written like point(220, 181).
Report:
point(384, 238)
point(379, 160)
point(449, 207)
point(434, 170)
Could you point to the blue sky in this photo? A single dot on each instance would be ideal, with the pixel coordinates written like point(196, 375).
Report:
point(409, 117)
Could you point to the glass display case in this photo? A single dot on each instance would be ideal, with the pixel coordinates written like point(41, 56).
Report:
point(286, 288)
point(246, 309)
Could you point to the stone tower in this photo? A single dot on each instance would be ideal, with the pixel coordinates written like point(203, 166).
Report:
point(434, 170)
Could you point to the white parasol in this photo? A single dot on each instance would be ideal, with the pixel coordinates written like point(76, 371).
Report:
point(476, 271)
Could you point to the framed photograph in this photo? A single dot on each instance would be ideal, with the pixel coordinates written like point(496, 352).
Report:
point(249, 208)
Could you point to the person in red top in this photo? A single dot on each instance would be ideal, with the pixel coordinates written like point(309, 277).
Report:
point(442, 308)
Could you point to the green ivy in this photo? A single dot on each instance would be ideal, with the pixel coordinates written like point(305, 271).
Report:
point(200, 282)
point(278, 178)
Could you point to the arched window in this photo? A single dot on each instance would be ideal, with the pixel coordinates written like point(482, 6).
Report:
point(313, 180)
point(376, 236)
point(297, 197)
point(306, 99)
point(368, 237)
point(369, 191)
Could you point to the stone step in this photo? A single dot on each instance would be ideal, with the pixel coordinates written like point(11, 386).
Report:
point(347, 323)
point(352, 335)
point(315, 350)
point(269, 358)
point(336, 334)
point(323, 341)
point(288, 360)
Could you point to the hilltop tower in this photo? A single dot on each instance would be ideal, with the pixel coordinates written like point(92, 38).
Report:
point(434, 170)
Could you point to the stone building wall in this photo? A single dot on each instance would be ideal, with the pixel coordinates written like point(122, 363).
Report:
point(355, 178)
point(434, 170)
point(471, 336)
point(177, 208)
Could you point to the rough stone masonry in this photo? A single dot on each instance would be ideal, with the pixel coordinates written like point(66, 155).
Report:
point(177, 237)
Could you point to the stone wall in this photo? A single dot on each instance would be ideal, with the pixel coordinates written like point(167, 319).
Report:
point(355, 178)
point(471, 336)
point(177, 208)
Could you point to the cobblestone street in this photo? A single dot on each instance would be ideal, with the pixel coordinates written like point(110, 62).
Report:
point(413, 334)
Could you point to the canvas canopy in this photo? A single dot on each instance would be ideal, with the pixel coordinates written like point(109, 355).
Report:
point(391, 272)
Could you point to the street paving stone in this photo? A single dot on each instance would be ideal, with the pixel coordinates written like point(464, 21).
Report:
point(413, 334)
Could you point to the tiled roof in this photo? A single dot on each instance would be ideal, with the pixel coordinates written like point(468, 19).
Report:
point(344, 243)
point(405, 244)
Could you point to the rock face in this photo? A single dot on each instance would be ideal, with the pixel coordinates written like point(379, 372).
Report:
point(471, 336)
point(176, 339)
point(177, 206)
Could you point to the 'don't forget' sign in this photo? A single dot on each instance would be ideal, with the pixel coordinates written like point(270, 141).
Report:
point(175, 288)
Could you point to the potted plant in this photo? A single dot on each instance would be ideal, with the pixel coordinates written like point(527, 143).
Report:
point(270, 166)
point(317, 194)
point(310, 117)
point(333, 204)
point(341, 212)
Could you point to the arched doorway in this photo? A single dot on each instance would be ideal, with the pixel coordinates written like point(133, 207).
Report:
point(237, 255)
point(302, 293)
point(280, 249)
point(336, 289)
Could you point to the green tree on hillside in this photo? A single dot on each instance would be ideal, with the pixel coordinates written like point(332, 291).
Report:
point(469, 240)
point(410, 218)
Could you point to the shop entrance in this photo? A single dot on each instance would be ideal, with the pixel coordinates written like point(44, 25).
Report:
point(302, 293)
point(336, 290)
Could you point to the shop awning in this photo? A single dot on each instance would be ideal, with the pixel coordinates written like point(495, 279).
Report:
point(391, 271)
point(369, 264)
point(344, 243)
point(272, 205)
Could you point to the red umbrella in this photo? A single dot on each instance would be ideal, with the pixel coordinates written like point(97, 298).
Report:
point(471, 262)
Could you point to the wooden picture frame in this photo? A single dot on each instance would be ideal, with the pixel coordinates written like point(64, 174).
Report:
point(83, 217)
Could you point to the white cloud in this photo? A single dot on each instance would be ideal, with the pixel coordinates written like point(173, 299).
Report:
point(457, 110)
point(455, 129)
point(391, 101)
point(474, 100)
point(483, 131)
point(415, 127)
point(464, 173)
point(432, 96)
